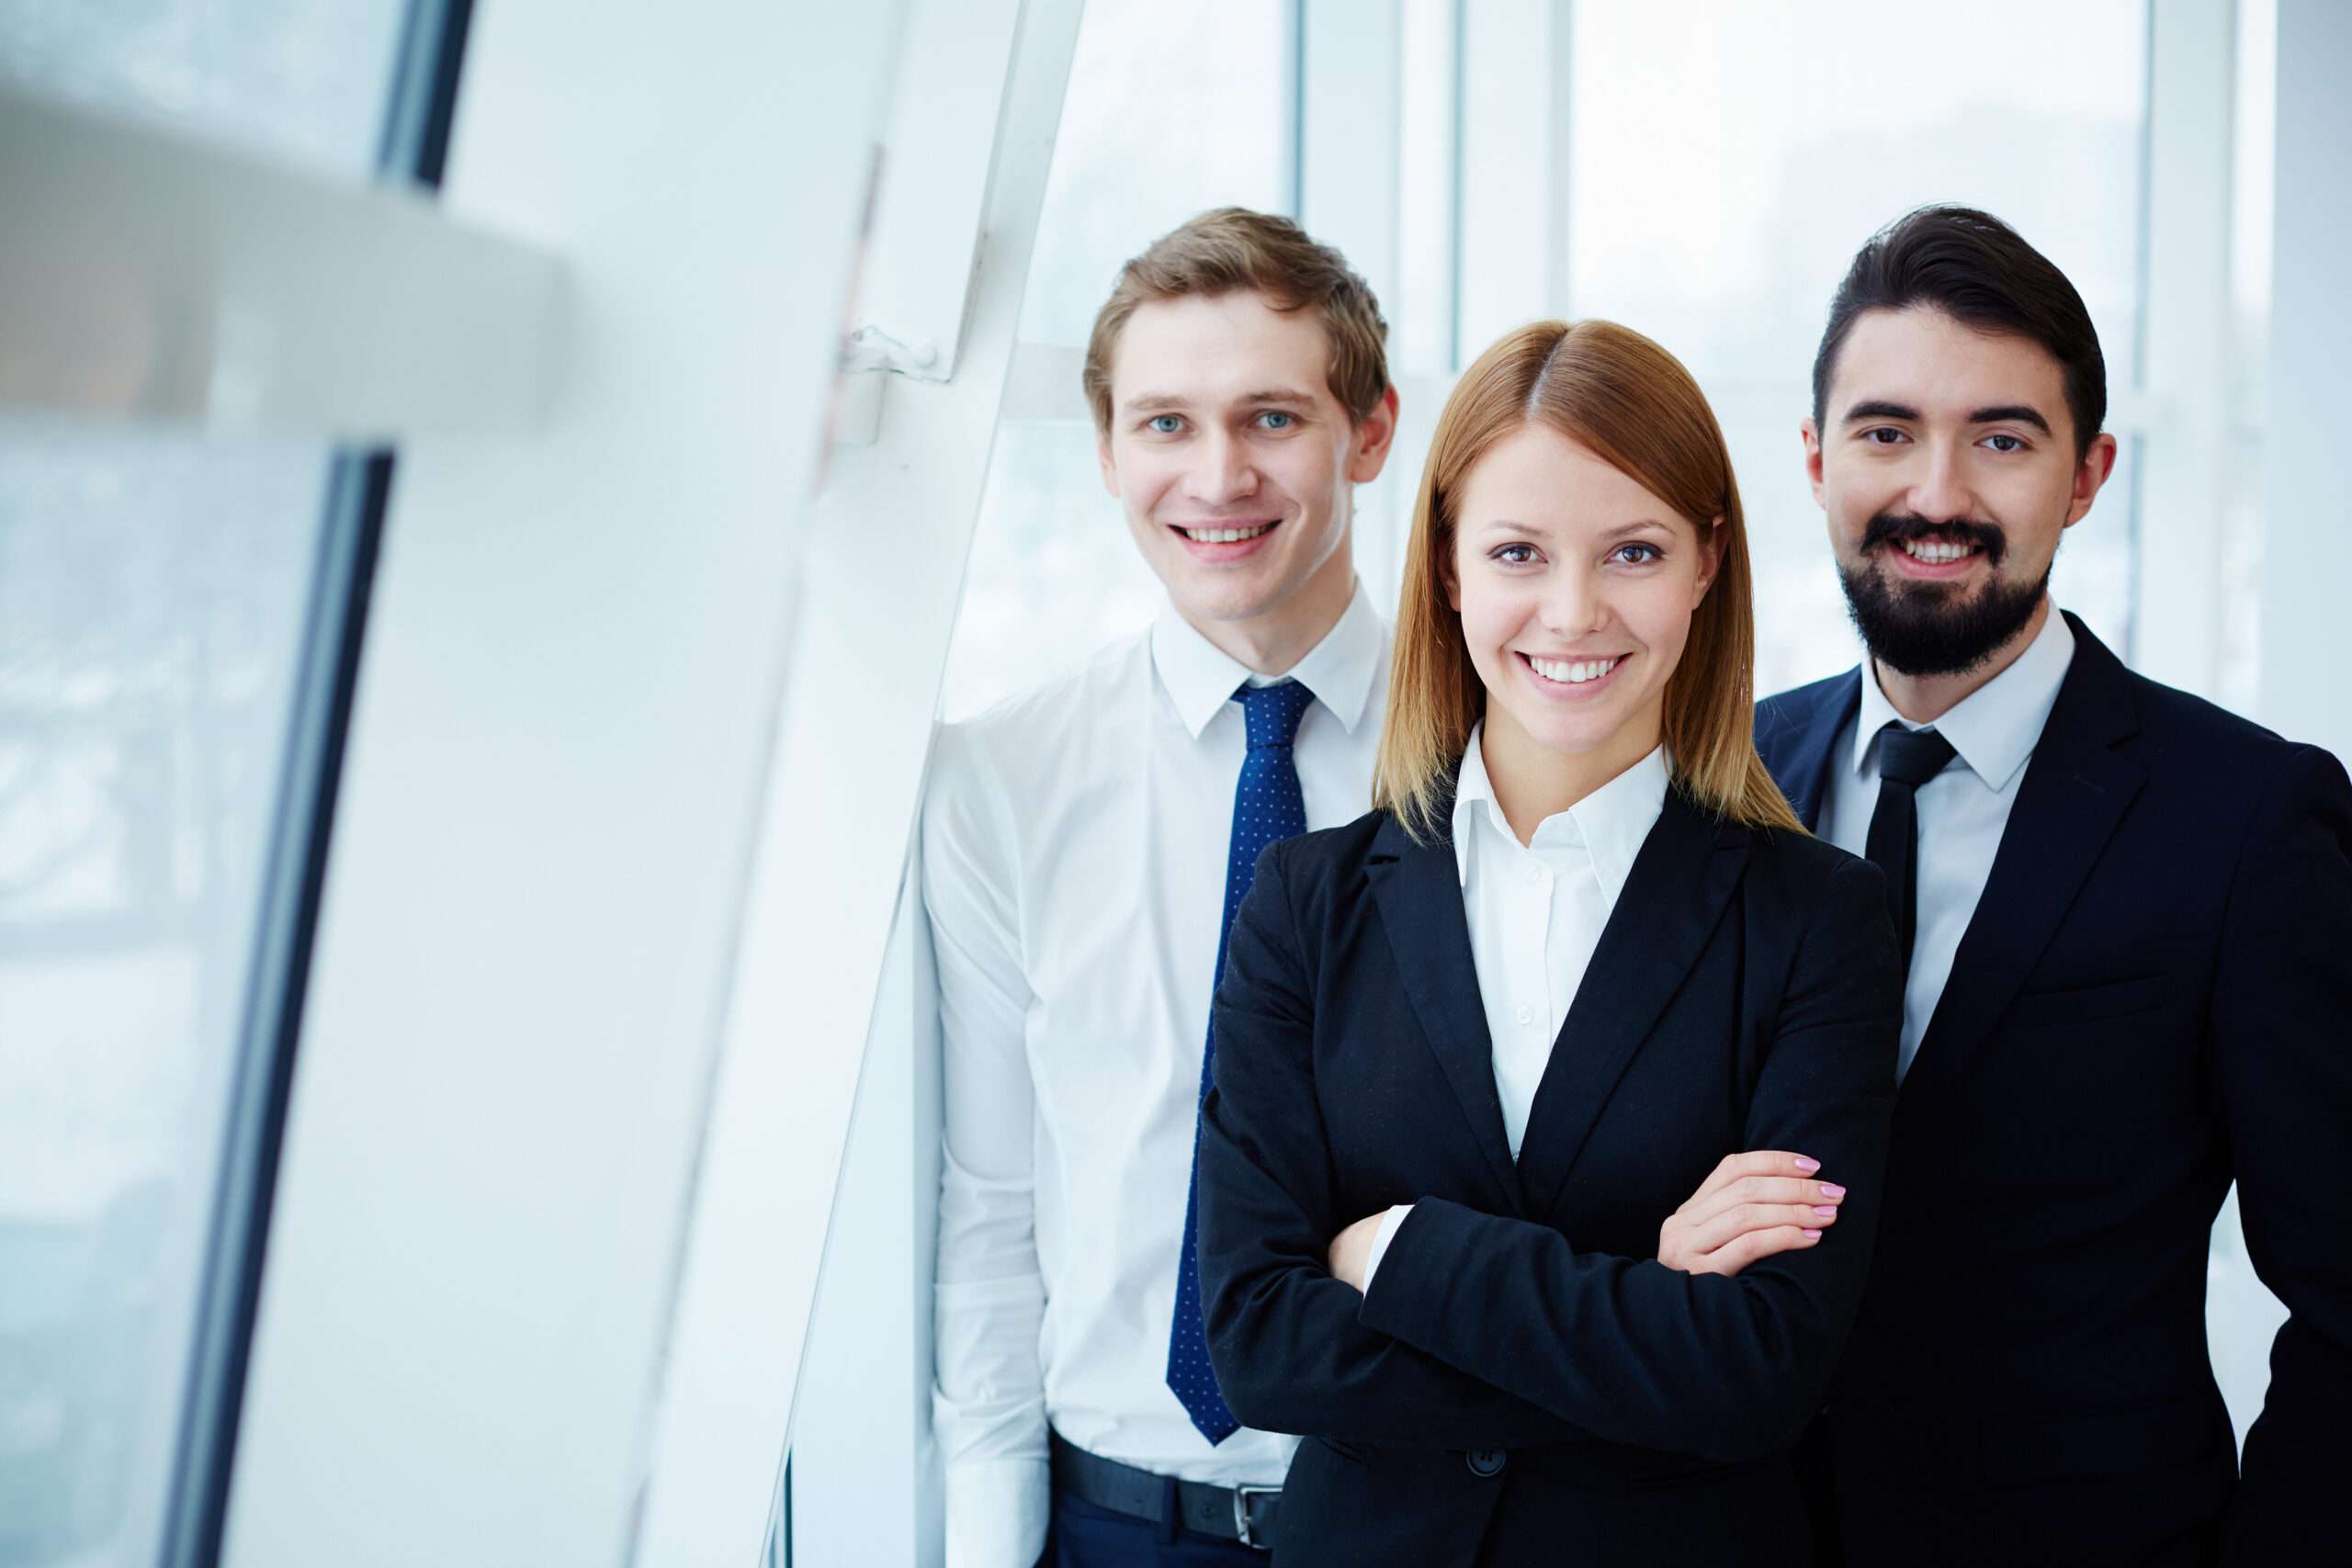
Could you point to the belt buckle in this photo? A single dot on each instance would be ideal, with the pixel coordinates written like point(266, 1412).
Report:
point(1241, 1495)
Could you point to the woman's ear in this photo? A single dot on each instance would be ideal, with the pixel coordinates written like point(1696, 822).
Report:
point(1711, 556)
point(1450, 579)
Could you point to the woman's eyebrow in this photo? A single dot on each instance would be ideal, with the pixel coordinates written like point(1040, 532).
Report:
point(1636, 526)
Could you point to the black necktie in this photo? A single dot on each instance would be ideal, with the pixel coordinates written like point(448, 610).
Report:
point(1906, 759)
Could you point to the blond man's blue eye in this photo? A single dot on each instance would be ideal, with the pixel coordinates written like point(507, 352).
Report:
point(1166, 424)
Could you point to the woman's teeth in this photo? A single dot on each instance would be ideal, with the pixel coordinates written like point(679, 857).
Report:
point(1575, 671)
point(1936, 553)
point(1224, 536)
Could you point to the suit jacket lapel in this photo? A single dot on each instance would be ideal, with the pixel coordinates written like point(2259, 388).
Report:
point(1672, 901)
point(1802, 763)
point(2076, 790)
point(1418, 890)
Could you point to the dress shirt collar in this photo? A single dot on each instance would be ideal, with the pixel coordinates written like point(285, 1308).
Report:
point(1200, 678)
point(1993, 727)
point(1612, 822)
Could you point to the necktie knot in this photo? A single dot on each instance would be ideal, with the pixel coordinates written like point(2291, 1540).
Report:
point(1273, 712)
point(1911, 757)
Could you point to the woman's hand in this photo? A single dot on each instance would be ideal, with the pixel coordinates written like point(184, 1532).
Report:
point(1351, 1253)
point(1752, 1206)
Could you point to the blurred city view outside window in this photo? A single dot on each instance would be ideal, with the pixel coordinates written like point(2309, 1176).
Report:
point(157, 593)
point(1728, 160)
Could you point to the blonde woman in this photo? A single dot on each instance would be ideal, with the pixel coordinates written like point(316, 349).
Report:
point(1475, 1048)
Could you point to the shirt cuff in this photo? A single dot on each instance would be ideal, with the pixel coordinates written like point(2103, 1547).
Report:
point(997, 1513)
point(1380, 1240)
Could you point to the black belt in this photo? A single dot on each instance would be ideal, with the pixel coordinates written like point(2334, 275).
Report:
point(1245, 1513)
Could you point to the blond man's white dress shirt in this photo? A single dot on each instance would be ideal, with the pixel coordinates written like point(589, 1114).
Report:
point(1074, 844)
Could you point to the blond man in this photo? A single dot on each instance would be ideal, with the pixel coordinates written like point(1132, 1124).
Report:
point(1081, 846)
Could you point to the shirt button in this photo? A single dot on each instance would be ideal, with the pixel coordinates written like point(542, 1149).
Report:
point(1527, 1015)
point(1484, 1461)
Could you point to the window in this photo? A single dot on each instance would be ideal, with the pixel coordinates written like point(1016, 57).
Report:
point(1728, 161)
point(171, 620)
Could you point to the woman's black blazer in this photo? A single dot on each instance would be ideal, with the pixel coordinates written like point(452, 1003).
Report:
point(1525, 1378)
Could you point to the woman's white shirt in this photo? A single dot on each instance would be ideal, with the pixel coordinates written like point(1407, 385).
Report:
point(1535, 912)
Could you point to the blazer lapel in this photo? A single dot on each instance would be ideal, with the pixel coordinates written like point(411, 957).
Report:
point(1672, 901)
point(2076, 789)
point(1418, 890)
point(1804, 762)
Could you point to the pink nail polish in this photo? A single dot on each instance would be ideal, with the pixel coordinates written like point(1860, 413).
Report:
point(1831, 1189)
point(1807, 1166)
point(1812, 1235)
point(1825, 1211)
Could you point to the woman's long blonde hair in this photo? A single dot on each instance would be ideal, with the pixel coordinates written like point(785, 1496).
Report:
point(1614, 392)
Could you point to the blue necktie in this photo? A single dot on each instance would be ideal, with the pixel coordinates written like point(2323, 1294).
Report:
point(1267, 805)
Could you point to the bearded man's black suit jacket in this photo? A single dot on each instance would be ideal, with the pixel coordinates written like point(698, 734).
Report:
point(2153, 998)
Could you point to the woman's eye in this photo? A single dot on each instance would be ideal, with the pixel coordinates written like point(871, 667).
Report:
point(2004, 443)
point(1275, 419)
point(1637, 555)
point(1515, 555)
point(1166, 424)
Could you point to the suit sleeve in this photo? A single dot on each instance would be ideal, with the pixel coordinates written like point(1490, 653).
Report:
point(1290, 1351)
point(1728, 1370)
point(2281, 1027)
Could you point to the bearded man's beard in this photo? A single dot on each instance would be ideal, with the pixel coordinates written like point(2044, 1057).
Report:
point(1923, 628)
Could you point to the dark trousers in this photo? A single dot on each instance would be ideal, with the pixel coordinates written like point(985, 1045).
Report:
point(1083, 1536)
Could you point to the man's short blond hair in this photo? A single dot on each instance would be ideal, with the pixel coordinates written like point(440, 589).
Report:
point(1231, 250)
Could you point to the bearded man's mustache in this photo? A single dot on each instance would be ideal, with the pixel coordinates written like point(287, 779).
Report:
point(1895, 527)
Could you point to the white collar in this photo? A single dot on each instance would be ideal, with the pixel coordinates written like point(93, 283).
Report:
point(1612, 822)
point(1200, 678)
point(1996, 727)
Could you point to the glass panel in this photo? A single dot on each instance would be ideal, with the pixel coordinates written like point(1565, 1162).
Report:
point(153, 600)
point(1171, 109)
point(157, 596)
point(1503, 244)
point(1421, 335)
point(2238, 681)
point(1728, 161)
point(307, 80)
